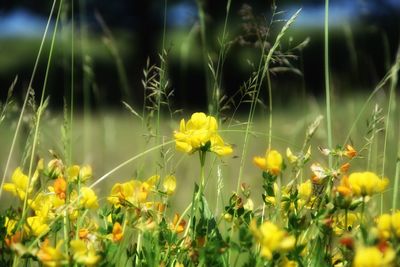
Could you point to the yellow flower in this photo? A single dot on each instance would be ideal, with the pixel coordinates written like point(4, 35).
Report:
point(199, 131)
point(289, 154)
point(51, 256)
point(36, 226)
point(85, 173)
point(272, 162)
point(218, 146)
point(178, 224)
point(344, 188)
point(366, 183)
point(384, 225)
point(117, 232)
point(73, 173)
point(396, 223)
point(10, 224)
point(353, 222)
point(389, 225)
point(305, 190)
point(19, 184)
point(169, 184)
point(373, 257)
point(88, 198)
point(84, 253)
point(134, 192)
point(271, 238)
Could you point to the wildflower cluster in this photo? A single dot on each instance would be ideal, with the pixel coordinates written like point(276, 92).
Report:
point(322, 219)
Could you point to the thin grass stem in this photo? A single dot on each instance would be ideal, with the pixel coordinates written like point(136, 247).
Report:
point(16, 133)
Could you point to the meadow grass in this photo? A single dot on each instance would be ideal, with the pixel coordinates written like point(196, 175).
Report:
point(269, 187)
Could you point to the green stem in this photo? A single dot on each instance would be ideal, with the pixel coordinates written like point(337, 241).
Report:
point(362, 210)
point(391, 104)
point(72, 83)
point(327, 81)
point(39, 113)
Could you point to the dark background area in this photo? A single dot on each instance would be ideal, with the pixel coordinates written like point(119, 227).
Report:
point(363, 43)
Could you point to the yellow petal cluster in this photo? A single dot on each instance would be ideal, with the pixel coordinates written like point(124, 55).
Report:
point(366, 183)
point(271, 238)
point(389, 225)
point(271, 162)
point(36, 226)
point(88, 198)
point(169, 184)
point(134, 192)
point(199, 131)
point(84, 253)
point(373, 257)
point(51, 256)
point(19, 184)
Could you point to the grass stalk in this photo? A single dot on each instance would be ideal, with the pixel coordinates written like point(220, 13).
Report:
point(21, 115)
point(40, 109)
point(327, 81)
point(391, 104)
point(71, 115)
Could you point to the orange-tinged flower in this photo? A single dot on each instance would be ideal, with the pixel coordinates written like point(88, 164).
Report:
point(178, 224)
point(83, 233)
point(345, 167)
point(350, 152)
point(272, 162)
point(60, 187)
point(51, 256)
point(117, 232)
point(344, 188)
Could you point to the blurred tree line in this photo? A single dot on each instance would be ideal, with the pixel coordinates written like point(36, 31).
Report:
point(361, 51)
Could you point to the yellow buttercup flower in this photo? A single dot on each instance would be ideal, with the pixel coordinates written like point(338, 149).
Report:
point(10, 225)
point(73, 172)
point(272, 162)
point(51, 256)
point(85, 173)
point(353, 222)
point(198, 133)
point(389, 225)
point(366, 183)
point(271, 238)
point(84, 253)
point(373, 257)
point(169, 184)
point(134, 192)
point(88, 198)
point(19, 184)
point(305, 190)
point(36, 226)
